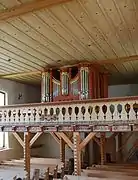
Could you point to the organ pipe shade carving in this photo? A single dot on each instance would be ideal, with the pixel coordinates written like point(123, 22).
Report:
point(45, 87)
point(84, 78)
point(65, 83)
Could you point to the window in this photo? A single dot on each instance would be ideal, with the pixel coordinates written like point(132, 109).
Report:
point(3, 135)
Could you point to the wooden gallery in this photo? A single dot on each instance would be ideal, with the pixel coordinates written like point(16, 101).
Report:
point(68, 89)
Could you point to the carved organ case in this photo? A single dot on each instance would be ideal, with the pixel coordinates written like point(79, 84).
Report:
point(76, 83)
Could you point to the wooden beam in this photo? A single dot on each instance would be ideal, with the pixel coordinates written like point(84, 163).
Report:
point(16, 135)
point(66, 139)
point(20, 74)
point(36, 136)
point(29, 7)
point(86, 140)
point(55, 137)
point(106, 61)
point(117, 60)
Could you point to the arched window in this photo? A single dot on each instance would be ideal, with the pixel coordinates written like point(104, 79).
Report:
point(3, 135)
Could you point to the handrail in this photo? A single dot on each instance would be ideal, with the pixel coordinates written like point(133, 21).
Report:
point(114, 99)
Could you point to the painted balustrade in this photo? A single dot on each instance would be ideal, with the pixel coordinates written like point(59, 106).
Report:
point(86, 112)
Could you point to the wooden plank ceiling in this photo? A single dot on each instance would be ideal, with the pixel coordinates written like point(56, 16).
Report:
point(98, 31)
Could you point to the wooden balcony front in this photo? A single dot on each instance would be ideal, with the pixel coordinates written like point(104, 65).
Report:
point(100, 115)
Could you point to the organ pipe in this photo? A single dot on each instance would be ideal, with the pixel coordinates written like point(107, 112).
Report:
point(45, 87)
point(65, 83)
point(84, 79)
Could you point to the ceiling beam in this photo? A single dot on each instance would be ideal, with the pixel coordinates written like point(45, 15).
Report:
point(29, 7)
point(106, 61)
point(20, 74)
point(116, 61)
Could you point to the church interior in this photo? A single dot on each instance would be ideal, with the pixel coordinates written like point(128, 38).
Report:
point(68, 90)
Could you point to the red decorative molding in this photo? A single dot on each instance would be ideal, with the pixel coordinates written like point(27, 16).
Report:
point(66, 98)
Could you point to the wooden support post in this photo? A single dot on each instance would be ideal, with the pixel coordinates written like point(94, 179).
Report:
point(62, 150)
point(77, 154)
point(27, 155)
point(102, 147)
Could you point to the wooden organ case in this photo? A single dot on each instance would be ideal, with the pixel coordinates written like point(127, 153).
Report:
point(76, 83)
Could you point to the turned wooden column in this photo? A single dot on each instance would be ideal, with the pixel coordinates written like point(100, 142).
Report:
point(27, 155)
point(62, 150)
point(77, 154)
point(102, 148)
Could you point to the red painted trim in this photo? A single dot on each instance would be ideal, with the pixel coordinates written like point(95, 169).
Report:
point(65, 98)
point(115, 99)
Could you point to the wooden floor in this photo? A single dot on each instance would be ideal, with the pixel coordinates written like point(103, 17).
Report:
point(111, 171)
point(9, 169)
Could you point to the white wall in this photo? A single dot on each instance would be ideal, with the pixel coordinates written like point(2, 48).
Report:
point(47, 147)
point(30, 94)
point(13, 89)
point(123, 90)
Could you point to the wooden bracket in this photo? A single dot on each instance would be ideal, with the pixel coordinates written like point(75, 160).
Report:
point(36, 136)
point(66, 139)
point(16, 135)
point(55, 137)
point(86, 140)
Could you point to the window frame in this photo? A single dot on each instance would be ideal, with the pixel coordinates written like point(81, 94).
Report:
point(4, 93)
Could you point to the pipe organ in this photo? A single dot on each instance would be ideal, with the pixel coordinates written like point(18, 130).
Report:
point(86, 83)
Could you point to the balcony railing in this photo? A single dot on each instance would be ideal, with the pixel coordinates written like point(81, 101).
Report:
point(114, 114)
